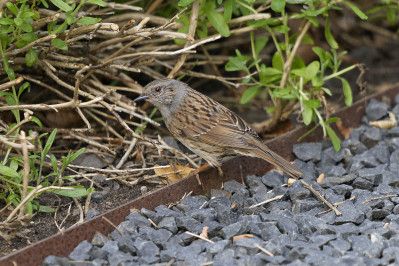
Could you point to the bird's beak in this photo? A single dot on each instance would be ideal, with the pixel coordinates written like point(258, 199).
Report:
point(141, 97)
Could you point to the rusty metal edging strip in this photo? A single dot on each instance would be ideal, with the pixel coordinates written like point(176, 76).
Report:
point(62, 244)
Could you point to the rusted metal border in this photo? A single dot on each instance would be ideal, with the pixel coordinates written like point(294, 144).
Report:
point(62, 244)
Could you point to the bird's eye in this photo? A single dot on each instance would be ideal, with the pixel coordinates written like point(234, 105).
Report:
point(158, 89)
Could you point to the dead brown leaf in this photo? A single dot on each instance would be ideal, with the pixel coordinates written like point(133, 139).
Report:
point(168, 173)
point(345, 131)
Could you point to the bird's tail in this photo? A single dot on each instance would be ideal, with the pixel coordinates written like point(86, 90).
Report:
point(275, 159)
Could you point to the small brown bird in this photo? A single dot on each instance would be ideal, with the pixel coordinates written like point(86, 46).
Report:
point(206, 127)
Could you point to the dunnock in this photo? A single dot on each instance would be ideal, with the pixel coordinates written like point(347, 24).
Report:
point(206, 127)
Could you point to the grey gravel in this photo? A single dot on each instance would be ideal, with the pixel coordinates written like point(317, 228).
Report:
point(296, 229)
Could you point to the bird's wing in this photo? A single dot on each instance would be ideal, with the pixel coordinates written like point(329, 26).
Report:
point(214, 124)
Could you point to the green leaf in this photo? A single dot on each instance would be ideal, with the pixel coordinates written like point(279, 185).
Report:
point(277, 61)
point(70, 19)
point(203, 32)
point(312, 103)
point(36, 120)
point(13, 8)
point(320, 53)
point(278, 5)
point(77, 154)
point(54, 163)
point(185, 21)
point(60, 44)
point(28, 207)
point(332, 120)
point(260, 44)
point(327, 90)
point(228, 10)
point(307, 40)
point(44, 3)
point(355, 9)
point(317, 82)
point(217, 21)
point(77, 191)
point(29, 37)
point(48, 144)
point(18, 21)
point(329, 37)
point(238, 63)
point(6, 21)
point(333, 137)
point(249, 94)
point(7, 171)
point(23, 87)
point(312, 69)
point(268, 75)
point(307, 115)
point(347, 91)
point(31, 57)
point(281, 29)
point(98, 2)
point(46, 209)
point(14, 165)
point(298, 63)
point(185, 3)
point(61, 5)
point(89, 20)
point(70, 179)
point(27, 14)
point(20, 43)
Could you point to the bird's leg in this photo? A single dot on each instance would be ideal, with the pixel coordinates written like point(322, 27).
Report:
point(220, 171)
point(196, 173)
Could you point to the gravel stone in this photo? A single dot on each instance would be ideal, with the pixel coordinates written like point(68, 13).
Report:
point(330, 181)
point(168, 223)
point(376, 110)
point(305, 205)
point(340, 245)
point(82, 251)
point(273, 179)
point(190, 203)
point(335, 170)
point(308, 151)
point(222, 207)
point(219, 246)
point(146, 248)
point(54, 260)
point(249, 244)
point(187, 223)
point(91, 214)
point(298, 191)
point(232, 230)
point(110, 247)
point(138, 219)
point(90, 160)
point(118, 257)
point(321, 240)
point(99, 240)
point(343, 190)
point(216, 193)
point(371, 137)
point(350, 214)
